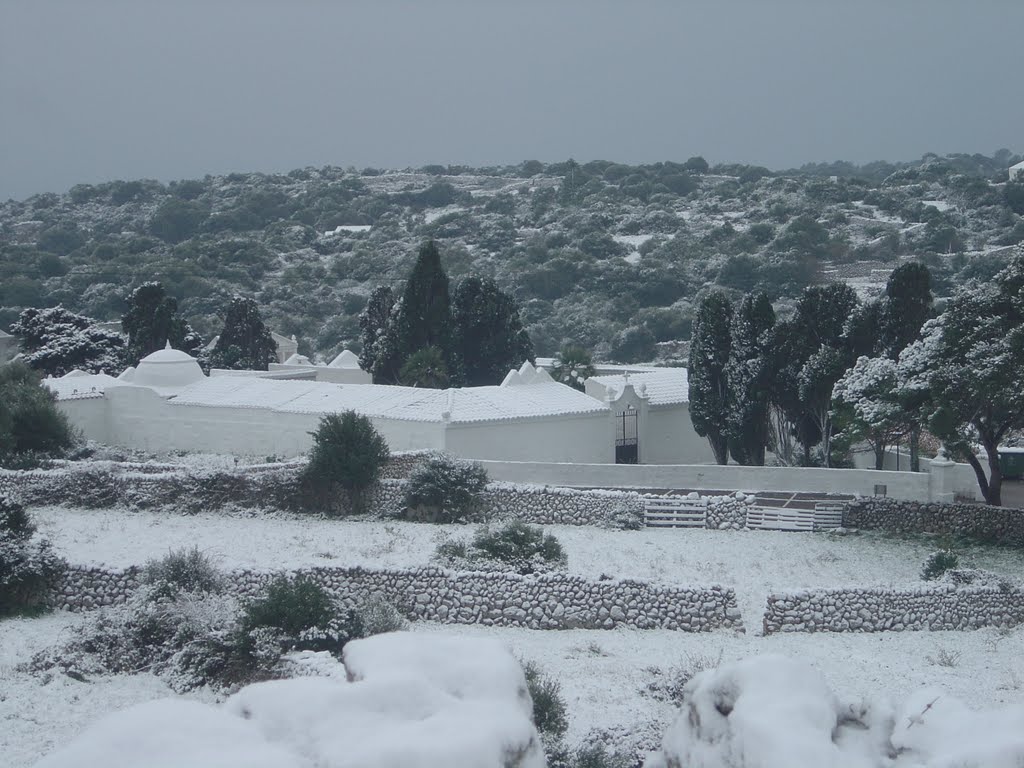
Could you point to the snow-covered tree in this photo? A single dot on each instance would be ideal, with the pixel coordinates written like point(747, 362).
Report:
point(425, 368)
point(245, 342)
point(708, 382)
point(378, 334)
point(30, 422)
point(489, 334)
point(152, 320)
point(749, 378)
point(56, 341)
point(964, 374)
point(867, 407)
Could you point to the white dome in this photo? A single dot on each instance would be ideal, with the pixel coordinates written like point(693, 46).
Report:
point(347, 359)
point(167, 369)
point(298, 359)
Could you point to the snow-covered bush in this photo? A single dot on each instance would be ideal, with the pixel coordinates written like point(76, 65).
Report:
point(669, 684)
point(301, 615)
point(378, 616)
point(938, 563)
point(445, 489)
point(32, 428)
point(189, 570)
point(628, 518)
point(187, 637)
point(28, 566)
point(516, 546)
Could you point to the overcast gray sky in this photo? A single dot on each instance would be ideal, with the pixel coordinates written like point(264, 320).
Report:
point(105, 89)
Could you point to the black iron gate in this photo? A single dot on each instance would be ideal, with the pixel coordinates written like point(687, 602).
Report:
point(627, 443)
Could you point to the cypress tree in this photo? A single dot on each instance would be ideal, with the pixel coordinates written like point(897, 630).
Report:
point(245, 342)
point(424, 317)
point(489, 338)
point(709, 356)
point(152, 320)
point(749, 378)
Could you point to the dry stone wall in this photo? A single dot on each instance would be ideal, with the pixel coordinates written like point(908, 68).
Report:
point(550, 601)
point(995, 525)
point(933, 607)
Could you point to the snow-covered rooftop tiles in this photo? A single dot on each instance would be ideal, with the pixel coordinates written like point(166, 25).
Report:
point(78, 385)
point(471, 404)
point(664, 386)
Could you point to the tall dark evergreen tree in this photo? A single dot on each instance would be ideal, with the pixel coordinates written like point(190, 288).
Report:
point(245, 342)
point(424, 317)
point(489, 334)
point(378, 334)
point(152, 320)
point(813, 340)
point(709, 388)
point(908, 305)
point(749, 378)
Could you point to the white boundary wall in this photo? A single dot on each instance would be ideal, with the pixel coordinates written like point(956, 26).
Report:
point(857, 482)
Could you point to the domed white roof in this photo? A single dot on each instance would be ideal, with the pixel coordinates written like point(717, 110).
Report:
point(167, 369)
point(347, 359)
point(297, 359)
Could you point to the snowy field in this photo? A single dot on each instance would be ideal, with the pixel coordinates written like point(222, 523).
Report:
point(754, 563)
point(604, 674)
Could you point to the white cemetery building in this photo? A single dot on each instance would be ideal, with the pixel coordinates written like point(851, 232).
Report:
point(168, 404)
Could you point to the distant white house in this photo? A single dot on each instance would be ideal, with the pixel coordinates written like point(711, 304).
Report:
point(167, 403)
point(1017, 172)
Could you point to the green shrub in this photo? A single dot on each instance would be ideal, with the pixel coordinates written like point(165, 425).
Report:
point(525, 547)
point(445, 489)
point(598, 756)
point(297, 614)
point(549, 711)
point(28, 567)
point(347, 451)
point(516, 546)
point(188, 570)
point(291, 606)
point(31, 426)
point(938, 563)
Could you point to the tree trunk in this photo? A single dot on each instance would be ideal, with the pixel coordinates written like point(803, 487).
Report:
point(880, 456)
point(995, 476)
point(720, 447)
point(979, 473)
point(915, 440)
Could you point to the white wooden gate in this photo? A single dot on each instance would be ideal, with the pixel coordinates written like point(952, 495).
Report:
point(675, 512)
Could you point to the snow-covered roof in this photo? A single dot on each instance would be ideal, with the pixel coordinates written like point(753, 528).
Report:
point(4, 334)
point(347, 359)
point(467, 405)
point(664, 386)
point(297, 359)
point(167, 370)
point(78, 385)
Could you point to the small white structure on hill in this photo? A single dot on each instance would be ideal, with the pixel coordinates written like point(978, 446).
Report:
point(1017, 172)
point(166, 403)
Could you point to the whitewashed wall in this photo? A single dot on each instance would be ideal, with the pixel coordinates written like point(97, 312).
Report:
point(669, 438)
point(89, 416)
point(139, 418)
point(899, 485)
point(586, 438)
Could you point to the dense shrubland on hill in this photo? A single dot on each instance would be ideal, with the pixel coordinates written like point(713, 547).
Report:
point(610, 256)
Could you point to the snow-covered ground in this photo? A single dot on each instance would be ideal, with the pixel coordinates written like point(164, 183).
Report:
point(604, 674)
point(752, 562)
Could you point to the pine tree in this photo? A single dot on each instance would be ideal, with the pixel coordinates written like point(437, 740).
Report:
point(908, 305)
point(749, 379)
point(56, 341)
point(709, 356)
point(245, 342)
point(378, 334)
point(152, 320)
point(424, 318)
point(489, 334)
